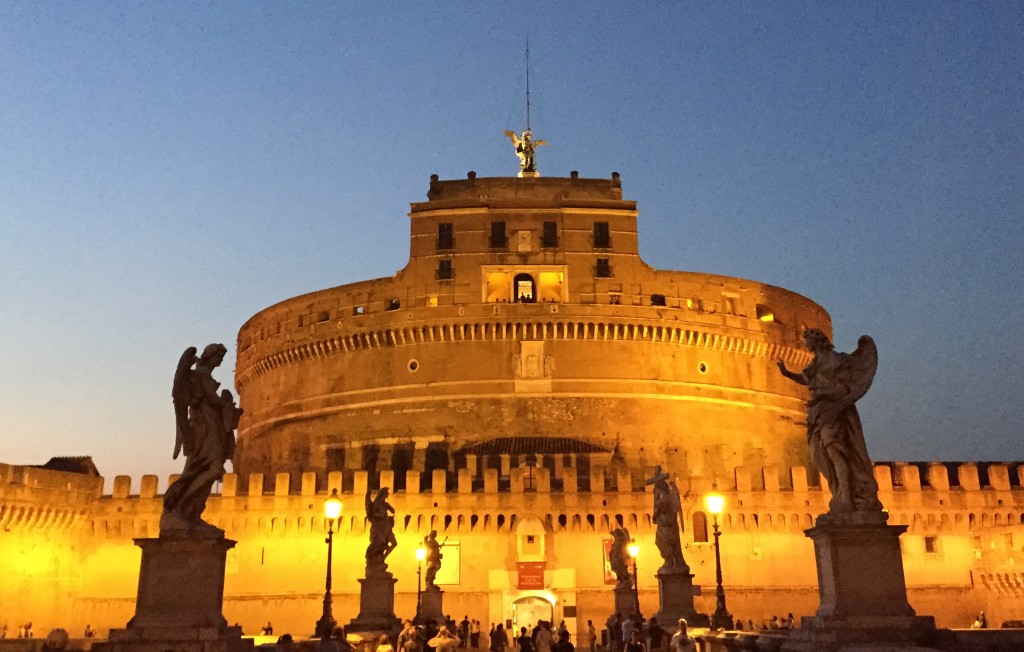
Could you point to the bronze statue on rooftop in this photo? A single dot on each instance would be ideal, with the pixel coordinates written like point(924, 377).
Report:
point(834, 432)
point(205, 425)
point(525, 146)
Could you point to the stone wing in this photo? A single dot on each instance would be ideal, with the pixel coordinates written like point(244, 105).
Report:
point(182, 393)
point(860, 368)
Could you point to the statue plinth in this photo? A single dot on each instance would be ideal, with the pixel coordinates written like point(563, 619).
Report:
point(675, 595)
point(861, 587)
point(180, 597)
point(625, 602)
point(376, 606)
point(431, 605)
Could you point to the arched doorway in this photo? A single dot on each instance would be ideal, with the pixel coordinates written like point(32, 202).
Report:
point(525, 289)
point(528, 611)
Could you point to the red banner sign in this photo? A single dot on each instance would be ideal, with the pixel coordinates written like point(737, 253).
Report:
point(531, 575)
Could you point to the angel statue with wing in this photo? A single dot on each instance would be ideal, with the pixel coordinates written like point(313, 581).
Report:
point(525, 146)
point(666, 519)
point(206, 421)
point(837, 381)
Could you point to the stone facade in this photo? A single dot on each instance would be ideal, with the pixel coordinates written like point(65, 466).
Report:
point(514, 385)
point(68, 552)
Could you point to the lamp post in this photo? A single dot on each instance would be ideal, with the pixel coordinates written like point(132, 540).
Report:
point(421, 554)
point(721, 619)
point(634, 550)
point(332, 510)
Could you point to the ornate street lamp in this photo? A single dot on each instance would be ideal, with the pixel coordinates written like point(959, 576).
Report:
point(721, 619)
point(421, 554)
point(332, 510)
point(634, 550)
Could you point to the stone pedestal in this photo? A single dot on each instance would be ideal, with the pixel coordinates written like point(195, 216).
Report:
point(376, 607)
point(625, 602)
point(675, 597)
point(181, 592)
point(862, 591)
point(431, 607)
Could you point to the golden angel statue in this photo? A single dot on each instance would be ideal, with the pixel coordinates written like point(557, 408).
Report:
point(525, 146)
point(206, 421)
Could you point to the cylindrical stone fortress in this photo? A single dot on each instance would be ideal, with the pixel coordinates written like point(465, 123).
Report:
point(525, 311)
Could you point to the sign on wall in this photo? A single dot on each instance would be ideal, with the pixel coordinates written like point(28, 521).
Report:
point(609, 576)
point(531, 575)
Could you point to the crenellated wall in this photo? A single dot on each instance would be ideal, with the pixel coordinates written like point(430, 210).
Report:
point(79, 561)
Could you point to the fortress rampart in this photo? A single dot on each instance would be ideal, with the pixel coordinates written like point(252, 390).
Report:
point(88, 559)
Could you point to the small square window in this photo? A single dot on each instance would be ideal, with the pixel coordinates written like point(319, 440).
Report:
point(931, 545)
point(657, 299)
point(603, 269)
point(444, 270)
point(498, 238)
point(445, 236)
point(549, 239)
point(393, 304)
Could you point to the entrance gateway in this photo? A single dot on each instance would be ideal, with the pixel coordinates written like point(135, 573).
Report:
point(528, 611)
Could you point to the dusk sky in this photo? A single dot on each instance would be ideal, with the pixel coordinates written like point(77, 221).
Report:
point(169, 169)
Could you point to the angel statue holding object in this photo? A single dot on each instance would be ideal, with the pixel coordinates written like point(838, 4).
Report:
point(381, 516)
point(834, 433)
point(206, 421)
point(525, 146)
point(618, 556)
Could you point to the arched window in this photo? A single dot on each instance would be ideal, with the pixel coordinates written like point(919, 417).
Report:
point(525, 289)
point(700, 527)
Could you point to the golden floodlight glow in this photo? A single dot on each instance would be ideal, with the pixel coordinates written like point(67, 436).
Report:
point(332, 506)
point(634, 549)
point(421, 553)
point(715, 501)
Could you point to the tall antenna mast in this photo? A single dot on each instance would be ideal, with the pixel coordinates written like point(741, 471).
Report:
point(527, 82)
point(524, 142)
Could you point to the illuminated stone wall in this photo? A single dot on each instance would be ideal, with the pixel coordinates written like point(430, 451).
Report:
point(68, 553)
point(674, 368)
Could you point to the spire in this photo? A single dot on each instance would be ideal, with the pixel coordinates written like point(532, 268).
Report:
point(524, 143)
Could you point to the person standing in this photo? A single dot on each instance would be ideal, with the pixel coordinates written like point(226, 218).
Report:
point(656, 635)
point(563, 644)
point(681, 640)
point(542, 639)
point(591, 636)
point(524, 642)
point(474, 633)
point(499, 639)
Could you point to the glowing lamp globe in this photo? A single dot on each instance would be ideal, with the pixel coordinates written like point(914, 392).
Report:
point(332, 506)
point(714, 501)
point(421, 553)
point(633, 549)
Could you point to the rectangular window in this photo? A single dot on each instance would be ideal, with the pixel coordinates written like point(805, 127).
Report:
point(602, 237)
point(444, 270)
point(498, 239)
point(603, 269)
point(550, 237)
point(931, 545)
point(445, 236)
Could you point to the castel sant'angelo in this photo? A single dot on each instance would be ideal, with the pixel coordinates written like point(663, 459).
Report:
point(514, 386)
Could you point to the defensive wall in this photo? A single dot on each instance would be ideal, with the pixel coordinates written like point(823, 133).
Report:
point(68, 556)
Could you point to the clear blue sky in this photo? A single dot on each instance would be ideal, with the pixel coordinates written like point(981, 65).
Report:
point(169, 169)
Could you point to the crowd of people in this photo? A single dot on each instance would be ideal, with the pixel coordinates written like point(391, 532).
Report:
point(775, 622)
point(633, 635)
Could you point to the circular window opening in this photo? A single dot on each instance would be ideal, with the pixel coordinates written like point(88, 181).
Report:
point(413, 366)
point(702, 367)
